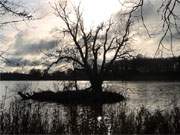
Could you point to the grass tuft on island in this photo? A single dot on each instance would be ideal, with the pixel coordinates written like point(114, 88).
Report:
point(83, 97)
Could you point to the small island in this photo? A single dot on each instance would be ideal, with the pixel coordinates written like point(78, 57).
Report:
point(83, 97)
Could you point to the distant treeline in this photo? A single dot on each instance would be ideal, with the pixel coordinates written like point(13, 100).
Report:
point(138, 68)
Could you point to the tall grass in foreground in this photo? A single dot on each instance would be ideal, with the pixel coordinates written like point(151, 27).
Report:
point(27, 118)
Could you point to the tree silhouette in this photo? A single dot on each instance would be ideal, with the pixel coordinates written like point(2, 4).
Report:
point(15, 13)
point(170, 21)
point(36, 73)
point(93, 50)
point(11, 8)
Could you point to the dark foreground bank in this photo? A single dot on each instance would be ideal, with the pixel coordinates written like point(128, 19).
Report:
point(28, 118)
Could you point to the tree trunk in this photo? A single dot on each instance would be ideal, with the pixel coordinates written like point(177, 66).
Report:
point(96, 85)
point(95, 80)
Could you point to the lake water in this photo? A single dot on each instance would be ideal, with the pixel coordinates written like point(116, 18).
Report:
point(149, 94)
point(97, 118)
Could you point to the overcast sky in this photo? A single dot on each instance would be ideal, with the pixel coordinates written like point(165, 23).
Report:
point(26, 41)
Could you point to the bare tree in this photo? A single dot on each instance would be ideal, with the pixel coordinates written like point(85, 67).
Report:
point(10, 8)
point(11, 12)
point(93, 50)
point(170, 17)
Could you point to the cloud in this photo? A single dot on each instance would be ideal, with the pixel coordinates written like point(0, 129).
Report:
point(27, 43)
point(25, 47)
point(24, 44)
point(149, 10)
point(19, 62)
point(34, 48)
point(28, 54)
point(154, 23)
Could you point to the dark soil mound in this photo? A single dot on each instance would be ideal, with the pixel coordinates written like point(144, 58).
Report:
point(74, 97)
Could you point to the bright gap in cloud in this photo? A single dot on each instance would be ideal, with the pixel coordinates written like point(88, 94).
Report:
point(97, 11)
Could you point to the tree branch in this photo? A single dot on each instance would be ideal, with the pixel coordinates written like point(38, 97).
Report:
point(64, 57)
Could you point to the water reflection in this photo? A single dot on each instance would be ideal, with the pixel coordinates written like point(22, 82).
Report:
point(94, 119)
point(85, 119)
point(39, 118)
point(77, 119)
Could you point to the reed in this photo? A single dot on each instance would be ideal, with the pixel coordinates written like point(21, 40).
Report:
point(35, 118)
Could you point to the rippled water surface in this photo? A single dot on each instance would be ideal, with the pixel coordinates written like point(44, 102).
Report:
point(95, 118)
point(149, 94)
